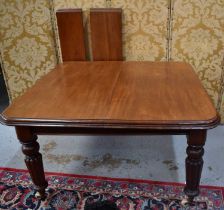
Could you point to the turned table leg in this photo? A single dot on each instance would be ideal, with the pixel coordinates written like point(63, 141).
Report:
point(194, 162)
point(33, 158)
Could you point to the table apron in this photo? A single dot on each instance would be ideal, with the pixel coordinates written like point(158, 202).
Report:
point(106, 131)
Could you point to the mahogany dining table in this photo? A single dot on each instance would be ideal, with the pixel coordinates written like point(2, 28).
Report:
point(114, 97)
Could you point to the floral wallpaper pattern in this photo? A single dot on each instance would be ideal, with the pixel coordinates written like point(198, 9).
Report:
point(26, 43)
point(27, 53)
point(140, 47)
point(221, 96)
point(144, 28)
point(198, 38)
point(186, 30)
point(84, 4)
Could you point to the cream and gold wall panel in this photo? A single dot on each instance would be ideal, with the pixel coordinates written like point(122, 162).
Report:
point(198, 38)
point(221, 95)
point(84, 4)
point(27, 44)
point(144, 28)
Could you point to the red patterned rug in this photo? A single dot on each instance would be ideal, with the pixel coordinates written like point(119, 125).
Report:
point(100, 193)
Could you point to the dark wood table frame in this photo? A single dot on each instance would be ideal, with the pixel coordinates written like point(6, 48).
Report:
point(28, 129)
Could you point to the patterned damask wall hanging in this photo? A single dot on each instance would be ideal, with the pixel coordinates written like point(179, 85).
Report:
point(198, 38)
point(186, 30)
point(27, 43)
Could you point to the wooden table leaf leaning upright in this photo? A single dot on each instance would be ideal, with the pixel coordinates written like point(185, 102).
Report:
point(114, 97)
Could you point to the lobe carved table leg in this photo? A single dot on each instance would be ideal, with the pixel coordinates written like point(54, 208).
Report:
point(33, 158)
point(194, 162)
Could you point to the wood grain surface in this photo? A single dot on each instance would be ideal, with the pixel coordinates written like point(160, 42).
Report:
point(106, 34)
point(71, 34)
point(115, 93)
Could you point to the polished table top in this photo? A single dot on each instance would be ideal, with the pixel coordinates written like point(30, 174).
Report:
point(115, 93)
